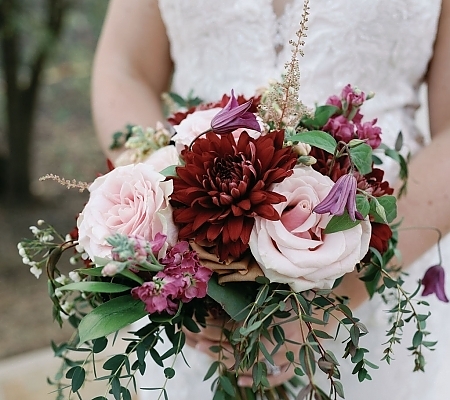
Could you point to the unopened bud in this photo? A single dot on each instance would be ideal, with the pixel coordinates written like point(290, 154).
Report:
point(306, 160)
point(302, 149)
point(109, 269)
point(355, 142)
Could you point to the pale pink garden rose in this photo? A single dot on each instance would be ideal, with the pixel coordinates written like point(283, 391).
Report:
point(131, 200)
point(199, 122)
point(295, 250)
point(163, 158)
point(160, 158)
point(192, 126)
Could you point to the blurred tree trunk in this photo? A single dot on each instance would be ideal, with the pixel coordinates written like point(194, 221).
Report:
point(22, 94)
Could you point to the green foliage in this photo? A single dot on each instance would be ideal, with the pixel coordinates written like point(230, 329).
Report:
point(110, 317)
point(319, 139)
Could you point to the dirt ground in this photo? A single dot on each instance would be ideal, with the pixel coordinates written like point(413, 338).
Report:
point(25, 309)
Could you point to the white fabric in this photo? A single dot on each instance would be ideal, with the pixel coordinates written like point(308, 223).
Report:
point(378, 45)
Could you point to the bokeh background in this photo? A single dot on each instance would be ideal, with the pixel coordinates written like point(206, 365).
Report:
point(55, 41)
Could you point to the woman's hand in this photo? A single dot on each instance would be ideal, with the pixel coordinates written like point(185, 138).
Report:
point(277, 374)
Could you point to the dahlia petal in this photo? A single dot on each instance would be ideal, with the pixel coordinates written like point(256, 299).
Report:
point(235, 226)
point(213, 232)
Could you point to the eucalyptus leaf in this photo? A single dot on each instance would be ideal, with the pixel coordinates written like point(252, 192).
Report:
point(319, 139)
point(110, 317)
point(95, 287)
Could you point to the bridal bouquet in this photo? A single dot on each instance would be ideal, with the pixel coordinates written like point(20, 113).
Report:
point(244, 214)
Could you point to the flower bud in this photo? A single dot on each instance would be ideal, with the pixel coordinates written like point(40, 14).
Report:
point(302, 149)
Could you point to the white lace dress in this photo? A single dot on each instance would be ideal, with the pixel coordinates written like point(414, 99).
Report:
point(378, 45)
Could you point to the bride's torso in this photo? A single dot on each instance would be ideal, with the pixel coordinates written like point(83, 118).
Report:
point(377, 45)
point(382, 46)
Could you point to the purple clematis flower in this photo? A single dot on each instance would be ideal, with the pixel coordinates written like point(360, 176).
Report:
point(433, 282)
point(342, 196)
point(234, 116)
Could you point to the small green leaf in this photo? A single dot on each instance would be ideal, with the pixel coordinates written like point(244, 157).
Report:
point(190, 324)
point(99, 345)
point(339, 389)
point(114, 363)
point(170, 171)
point(354, 335)
point(169, 372)
point(399, 141)
point(417, 339)
point(319, 139)
point(211, 370)
point(227, 385)
point(231, 297)
point(78, 377)
point(389, 205)
point(361, 156)
point(340, 223)
point(249, 329)
point(95, 287)
point(110, 317)
point(321, 115)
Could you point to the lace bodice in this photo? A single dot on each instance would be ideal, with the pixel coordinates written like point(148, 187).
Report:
point(377, 45)
point(382, 46)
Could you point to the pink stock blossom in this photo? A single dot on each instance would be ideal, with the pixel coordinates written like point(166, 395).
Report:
point(158, 295)
point(340, 128)
point(370, 132)
point(352, 97)
point(183, 279)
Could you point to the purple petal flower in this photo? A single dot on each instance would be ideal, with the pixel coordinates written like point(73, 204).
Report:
point(341, 196)
point(234, 116)
point(433, 282)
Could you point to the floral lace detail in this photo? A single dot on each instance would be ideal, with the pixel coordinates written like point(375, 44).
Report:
point(377, 45)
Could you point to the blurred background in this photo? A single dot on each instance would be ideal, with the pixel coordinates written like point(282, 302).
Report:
point(46, 54)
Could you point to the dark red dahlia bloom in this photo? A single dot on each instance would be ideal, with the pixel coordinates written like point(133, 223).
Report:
point(373, 183)
point(381, 233)
point(326, 164)
point(224, 185)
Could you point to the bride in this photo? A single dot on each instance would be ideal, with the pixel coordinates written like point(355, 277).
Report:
point(388, 47)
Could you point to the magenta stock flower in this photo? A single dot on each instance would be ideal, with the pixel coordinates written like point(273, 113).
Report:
point(158, 295)
point(234, 116)
point(183, 279)
point(368, 131)
point(342, 196)
point(433, 282)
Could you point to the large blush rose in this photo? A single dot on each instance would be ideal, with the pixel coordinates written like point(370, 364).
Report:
point(295, 250)
point(163, 158)
point(131, 200)
point(199, 122)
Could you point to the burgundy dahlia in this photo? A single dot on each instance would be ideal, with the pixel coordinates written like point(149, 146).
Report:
point(224, 185)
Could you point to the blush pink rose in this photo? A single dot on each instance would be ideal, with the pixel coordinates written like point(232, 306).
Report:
point(199, 122)
point(295, 250)
point(131, 200)
point(163, 158)
point(192, 126)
